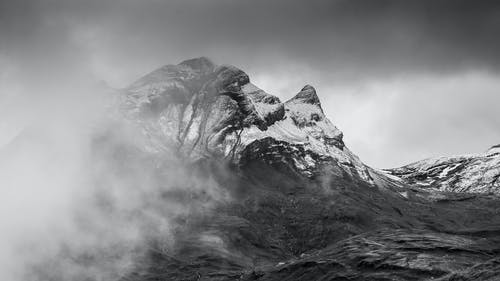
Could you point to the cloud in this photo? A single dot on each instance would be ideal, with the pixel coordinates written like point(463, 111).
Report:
point(343, 39)
point(415, 117)
point(341, 44)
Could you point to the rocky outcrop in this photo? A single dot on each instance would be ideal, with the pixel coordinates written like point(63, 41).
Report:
point(307, 95)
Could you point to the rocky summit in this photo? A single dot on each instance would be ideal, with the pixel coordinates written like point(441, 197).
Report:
point(299, 204)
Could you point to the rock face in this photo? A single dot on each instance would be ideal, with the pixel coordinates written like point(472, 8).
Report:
point(469, 173)
point(202, 110)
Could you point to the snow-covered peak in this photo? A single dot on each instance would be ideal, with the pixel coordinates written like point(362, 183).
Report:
point(467, 173)
point(306, 113)
point(200, 109)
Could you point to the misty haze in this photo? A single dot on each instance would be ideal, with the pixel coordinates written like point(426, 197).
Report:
point(249, 140)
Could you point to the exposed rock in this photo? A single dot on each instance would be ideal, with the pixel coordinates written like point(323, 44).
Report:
point(393, 255)
point(307, 95)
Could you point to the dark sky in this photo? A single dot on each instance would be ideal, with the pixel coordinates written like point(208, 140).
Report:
point(404, 80)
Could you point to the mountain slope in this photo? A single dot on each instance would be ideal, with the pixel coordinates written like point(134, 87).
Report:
point(281, 227)
point(468, 173)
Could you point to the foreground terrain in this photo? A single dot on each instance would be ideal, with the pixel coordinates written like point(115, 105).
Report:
point(296, 229)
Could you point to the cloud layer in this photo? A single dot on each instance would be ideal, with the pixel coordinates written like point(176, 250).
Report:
point(342, 47)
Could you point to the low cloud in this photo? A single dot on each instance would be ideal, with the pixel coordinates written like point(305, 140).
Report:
point(394, 122)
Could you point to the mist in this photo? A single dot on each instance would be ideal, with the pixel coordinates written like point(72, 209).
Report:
point(81, 199)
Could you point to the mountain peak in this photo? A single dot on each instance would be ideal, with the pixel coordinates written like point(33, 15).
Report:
point(307, 95)
point(200, 109)
point(308, 87)
point(202, 64)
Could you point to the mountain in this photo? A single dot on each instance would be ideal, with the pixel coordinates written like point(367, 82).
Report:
point(303, 206)
point(202, 110)
point(478, 173)
point(228, 182)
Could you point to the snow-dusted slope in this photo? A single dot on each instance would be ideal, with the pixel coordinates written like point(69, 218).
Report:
point(468, 173)
point(200, 109)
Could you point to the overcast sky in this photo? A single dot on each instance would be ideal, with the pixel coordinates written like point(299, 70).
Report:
point(404, 80)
